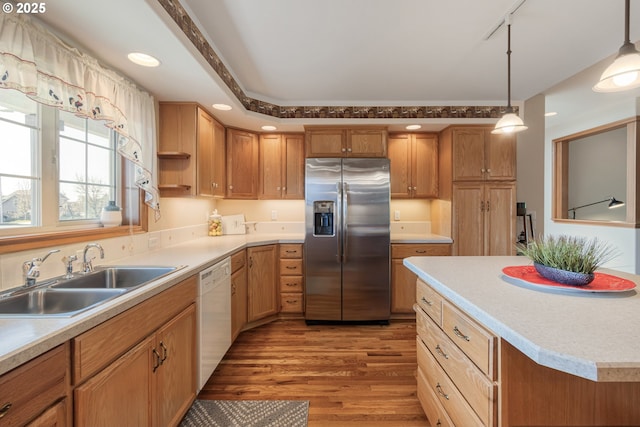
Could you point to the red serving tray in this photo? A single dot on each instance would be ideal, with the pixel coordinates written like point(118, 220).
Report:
point(601, 283)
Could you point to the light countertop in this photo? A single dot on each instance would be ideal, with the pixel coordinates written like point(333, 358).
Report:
point(591, 335)
point(25, 338)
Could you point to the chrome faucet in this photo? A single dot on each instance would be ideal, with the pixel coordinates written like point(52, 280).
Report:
point(87, 266)
point(31, 269)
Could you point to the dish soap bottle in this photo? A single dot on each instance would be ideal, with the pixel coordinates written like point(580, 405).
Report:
point(215, 224)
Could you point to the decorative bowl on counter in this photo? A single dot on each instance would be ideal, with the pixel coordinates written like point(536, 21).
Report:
point(564, 276)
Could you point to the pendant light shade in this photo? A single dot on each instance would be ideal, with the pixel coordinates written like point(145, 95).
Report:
point(510, 122)
point(624, 73)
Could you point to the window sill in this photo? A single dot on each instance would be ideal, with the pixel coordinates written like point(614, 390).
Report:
point(43, 240)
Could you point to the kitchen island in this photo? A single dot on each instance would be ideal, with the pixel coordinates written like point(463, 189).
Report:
point(560, 358)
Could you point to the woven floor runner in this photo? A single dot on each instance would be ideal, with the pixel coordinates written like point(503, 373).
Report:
point(247, 413)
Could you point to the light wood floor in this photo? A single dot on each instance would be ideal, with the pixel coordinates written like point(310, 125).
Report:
point(352, 375)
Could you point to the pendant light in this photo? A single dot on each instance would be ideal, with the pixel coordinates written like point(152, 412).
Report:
point(510, 122)
point(624, 73)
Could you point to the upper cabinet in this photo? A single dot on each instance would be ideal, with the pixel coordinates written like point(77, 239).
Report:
point(414, 165)
point(281, 166)
point(479, 155)
point(346, 142)
point(189, 142)
point(242, 164)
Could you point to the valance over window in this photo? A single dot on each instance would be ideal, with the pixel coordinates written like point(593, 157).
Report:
point(39, 64)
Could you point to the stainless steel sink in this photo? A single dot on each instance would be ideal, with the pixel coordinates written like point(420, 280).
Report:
point(120, 277)
point(47, 302)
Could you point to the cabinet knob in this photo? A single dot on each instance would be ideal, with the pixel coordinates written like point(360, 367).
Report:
point(231, 187)
point(488, 170)
point(278, 188)
point(349, 149)
point(415, 188)
point(483, 170)
point(344, 150)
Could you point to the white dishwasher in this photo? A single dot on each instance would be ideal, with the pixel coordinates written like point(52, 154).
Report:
point(214, 307)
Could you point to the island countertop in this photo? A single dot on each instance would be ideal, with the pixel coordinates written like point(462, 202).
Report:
point(590, 335)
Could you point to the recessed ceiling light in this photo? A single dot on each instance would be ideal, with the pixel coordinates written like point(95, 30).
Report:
point(413, 127)
point(550, 113)
point(222, 107)
point(268, 127)
point(143, 59)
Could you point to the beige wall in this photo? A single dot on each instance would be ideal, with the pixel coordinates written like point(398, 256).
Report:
point(530, 162)
point(179, 212)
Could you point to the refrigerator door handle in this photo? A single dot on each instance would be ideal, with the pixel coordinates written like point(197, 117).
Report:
point(345, 212)
point(339, 222)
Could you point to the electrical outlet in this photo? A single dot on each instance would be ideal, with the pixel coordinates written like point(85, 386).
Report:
point(274, 215)
point(396, 215)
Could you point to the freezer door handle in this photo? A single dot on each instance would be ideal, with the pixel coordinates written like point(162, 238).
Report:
point(345, 207)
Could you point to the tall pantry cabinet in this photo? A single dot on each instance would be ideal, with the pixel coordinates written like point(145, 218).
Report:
point(478, 176)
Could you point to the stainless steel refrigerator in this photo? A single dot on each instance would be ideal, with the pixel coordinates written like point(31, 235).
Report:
point(346, 247)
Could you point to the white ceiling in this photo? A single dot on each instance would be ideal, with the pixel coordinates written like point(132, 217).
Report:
point(349, 52)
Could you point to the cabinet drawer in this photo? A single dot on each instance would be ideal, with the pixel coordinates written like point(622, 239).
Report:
point(291, 283)
point(430, 405)
point(290, 267)
point(291, 250)
point(238, 260)
point(291, 302)
point(404, 250)
point(475, 341)
point(34, 386)
point(445, 391)
point(430, 301)
point(474, 386)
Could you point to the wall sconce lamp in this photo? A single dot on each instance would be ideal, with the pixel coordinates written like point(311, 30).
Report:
point(624, 73)
point(613, 203)
point(510, 122)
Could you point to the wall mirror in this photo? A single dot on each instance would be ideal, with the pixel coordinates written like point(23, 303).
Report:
point(595, 175)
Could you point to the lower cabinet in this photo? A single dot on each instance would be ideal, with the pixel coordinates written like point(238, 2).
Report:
point(151, 380)
point(403, 280)
point(263, 296)
point(457, 364)
point(238, 292)
point(36, 393)
point(291, 279)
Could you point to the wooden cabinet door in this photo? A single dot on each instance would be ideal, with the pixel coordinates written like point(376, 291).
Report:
point(400, 166)
point(262, 282)
point(176, 377)
point(403, 287)
point(120, 395)
point(219, 160)
point(205, 166)
point(366, 143)
point(271, 167)
point(242, 164)
point(55, 416)
point(500, 157)
point(468, 154)
point(293, 166)
point(325, 143)
point(500, 219)
point(468, 218)
point(424, 166)
point(239, 293)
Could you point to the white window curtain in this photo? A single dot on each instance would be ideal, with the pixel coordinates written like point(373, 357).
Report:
point(39, 64)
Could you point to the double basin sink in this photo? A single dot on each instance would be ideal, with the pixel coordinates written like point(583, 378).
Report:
point(62, 297)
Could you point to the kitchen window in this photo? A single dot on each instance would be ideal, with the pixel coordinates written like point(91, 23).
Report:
point(57, 172)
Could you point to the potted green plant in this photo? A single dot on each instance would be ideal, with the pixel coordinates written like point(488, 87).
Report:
point(567, 259)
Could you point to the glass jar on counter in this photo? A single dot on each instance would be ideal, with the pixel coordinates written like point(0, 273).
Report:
point(215, 224)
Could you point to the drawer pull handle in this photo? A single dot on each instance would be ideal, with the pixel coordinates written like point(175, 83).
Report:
point(5, 409)
point(440, 352)
point(421, 251)
point(292, 301)
point(291, 251)
point(164, 352)
point(440, 392)
point(156, 362)
point(291, 284)
point(460, 334)
point(426, 301)
point(291, 267)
